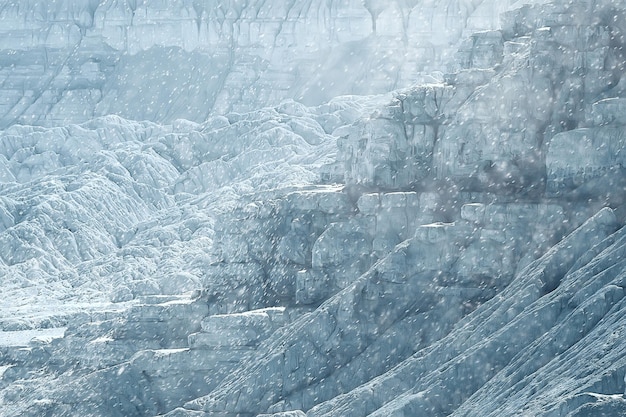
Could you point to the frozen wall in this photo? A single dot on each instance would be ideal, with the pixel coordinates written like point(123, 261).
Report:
point(68, 61)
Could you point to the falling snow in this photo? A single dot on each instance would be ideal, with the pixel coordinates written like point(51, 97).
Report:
point(312, 208)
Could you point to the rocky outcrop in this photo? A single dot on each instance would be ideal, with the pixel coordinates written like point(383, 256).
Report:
point(434, 275)
point(94, 205)
point(484, 129)
point(394, 148)
point(498, 332)
point(595, 153)
point(164, 347)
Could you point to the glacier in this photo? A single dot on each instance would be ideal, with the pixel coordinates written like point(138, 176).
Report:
point(312, 208)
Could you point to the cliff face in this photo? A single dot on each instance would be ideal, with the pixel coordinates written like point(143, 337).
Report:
point(70, 61)
point(539, 116)
point(452, 248)
point(464, 277)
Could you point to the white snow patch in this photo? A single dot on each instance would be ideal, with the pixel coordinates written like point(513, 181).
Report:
point(23, 338)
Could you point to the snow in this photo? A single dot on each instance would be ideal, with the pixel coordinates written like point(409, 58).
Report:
point(112, 210)
point(24, 338)
point(311, 208)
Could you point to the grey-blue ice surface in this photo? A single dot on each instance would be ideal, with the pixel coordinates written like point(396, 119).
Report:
point(312, 208)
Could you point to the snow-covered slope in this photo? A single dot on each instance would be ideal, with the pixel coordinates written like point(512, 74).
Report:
point(113, 209)
point(452, 248)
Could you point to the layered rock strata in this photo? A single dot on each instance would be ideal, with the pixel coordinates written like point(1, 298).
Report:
point(69, 61)
point(467, 260)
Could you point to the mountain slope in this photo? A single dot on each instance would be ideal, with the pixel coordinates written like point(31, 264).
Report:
point(452, 248)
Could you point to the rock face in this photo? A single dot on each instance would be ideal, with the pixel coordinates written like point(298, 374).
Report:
point(446, 375)
point(72, 60)
point(452, 248)
point(451, 131)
